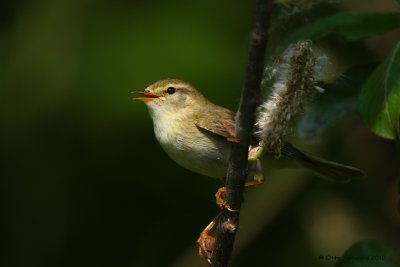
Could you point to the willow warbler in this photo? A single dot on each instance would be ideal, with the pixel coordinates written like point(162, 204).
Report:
point(197, 134)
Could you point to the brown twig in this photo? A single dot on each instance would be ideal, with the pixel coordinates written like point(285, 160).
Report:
point(238, 164)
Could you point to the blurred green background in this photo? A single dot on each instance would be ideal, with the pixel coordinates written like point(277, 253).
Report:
point(85, 183)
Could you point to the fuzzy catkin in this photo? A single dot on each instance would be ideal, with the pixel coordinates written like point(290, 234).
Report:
point(294, 76)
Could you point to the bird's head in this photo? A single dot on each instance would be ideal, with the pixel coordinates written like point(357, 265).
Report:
point(170, 95)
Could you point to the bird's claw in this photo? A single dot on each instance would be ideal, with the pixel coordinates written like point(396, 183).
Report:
point(206, 246)
point(207, 242)
point(221, 202)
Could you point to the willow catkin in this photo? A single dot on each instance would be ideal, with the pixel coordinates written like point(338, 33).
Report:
point(294, 82)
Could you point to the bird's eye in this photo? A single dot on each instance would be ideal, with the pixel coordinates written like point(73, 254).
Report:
point(171, 90)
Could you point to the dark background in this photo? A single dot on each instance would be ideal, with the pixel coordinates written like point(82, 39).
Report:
point(85, 183)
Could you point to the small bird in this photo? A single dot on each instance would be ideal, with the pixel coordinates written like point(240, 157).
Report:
point(197, 133)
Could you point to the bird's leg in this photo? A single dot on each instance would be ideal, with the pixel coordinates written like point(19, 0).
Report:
point(220, 195)
point(206, 241)
point(258, 178)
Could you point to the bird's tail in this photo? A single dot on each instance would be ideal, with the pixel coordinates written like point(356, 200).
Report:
point(326, 169)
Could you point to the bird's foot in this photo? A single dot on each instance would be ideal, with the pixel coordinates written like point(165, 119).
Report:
point(219, 196)
point(207, 242)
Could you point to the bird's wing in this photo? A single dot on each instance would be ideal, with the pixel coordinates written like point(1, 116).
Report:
point(223, 125)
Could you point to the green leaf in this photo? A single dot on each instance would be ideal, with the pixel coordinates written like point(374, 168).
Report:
point(339, 101)
point(380, 97)
point(351, 26)
point(367, 254)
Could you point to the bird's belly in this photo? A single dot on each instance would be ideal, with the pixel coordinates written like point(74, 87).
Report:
point(197, 151)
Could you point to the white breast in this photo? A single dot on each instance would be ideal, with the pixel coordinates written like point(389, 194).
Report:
point(192, 148)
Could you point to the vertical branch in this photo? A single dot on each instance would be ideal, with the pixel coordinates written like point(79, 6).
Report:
point(238, 164)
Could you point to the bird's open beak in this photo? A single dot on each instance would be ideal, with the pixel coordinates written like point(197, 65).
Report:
point(149, 96)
